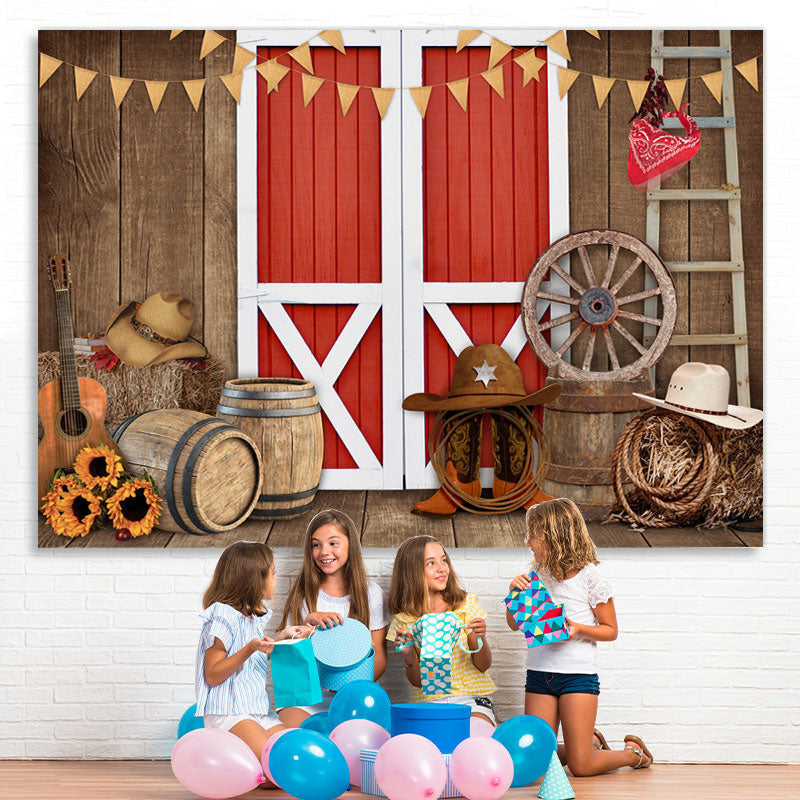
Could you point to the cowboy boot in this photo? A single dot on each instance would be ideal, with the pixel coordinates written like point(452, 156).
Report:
point(509, 449)
point(462, 467)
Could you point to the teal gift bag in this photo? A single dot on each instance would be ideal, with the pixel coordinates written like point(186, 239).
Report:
point(295, 678)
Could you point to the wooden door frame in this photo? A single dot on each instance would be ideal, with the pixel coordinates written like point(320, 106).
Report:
point(419, 296)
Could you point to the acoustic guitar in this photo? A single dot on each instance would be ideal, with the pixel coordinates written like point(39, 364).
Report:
point(71, 410)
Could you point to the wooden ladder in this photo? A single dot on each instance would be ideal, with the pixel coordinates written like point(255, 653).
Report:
point(734, 197)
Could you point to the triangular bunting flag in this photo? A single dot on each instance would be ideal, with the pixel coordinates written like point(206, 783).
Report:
point(421, 95)
point(676, 88)
point(566, 77)
point(602, 86)
point(499, 49)
point(555, 785)
point(494, 77)
point(334, 39)
point(713, 82)
point(382, 99)
point(241, 58)
point(83, 77)
point(465, 37)
point(749, 71)
point(310, 87)
point(173, 34)
point(302, 55)
point(47, 66)
point(119, 88)
point(638, 89)
point(211, 41)
point(347, 93)
point(596, 34)
point(531, 66)
point(195, 91)
point(233, 83)
point(558, 42)
point(156, 91)
point(274, 73)
point(460, 90)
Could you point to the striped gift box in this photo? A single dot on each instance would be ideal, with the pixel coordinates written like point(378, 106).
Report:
point(370, 786)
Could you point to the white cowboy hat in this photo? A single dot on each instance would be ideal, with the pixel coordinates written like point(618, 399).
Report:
point(701, 391)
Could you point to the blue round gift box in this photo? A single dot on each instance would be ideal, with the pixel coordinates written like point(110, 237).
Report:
point(445, 724)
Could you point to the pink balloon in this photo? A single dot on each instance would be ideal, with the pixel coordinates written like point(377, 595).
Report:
point(265, 754)
point(215, 764)
point(410, 767)
point(478, 726)
point(481, 768)
point(354, 735)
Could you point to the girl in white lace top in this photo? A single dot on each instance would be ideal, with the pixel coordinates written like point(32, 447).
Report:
point(562, 683)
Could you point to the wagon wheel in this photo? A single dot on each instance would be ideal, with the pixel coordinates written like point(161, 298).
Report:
point(598, 306)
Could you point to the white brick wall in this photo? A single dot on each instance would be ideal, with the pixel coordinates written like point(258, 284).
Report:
point(97, 646)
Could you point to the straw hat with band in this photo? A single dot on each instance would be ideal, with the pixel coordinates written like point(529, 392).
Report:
point(701, 391)
point(154, 331)
point(483, 377)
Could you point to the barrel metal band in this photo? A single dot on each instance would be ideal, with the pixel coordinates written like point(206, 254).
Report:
point(280, 512)
point(173, 461)
point(268, 412)
point(293, 496)
point(268, 395)
point(120, 429)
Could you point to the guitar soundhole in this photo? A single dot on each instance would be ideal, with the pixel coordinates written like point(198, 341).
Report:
point(73, 422)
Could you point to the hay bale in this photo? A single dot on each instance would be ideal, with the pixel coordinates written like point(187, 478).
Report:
point(132, 390)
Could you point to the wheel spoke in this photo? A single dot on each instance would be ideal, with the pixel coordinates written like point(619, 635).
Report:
point(612, 353)
point(627, 335)
point(572, 337)
point(612, 260)
point(587, 356)
point(554, 323)
point(632, 298)
point(587, 266)
point(568, 279)
point(558, 298)
point(639, 318)
point(625, 275)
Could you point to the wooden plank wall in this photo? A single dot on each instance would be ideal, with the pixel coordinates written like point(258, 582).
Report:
point(141, 202)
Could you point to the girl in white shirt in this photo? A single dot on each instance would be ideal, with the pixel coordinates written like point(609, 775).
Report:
point(562, 683)
point(332, 585)
point(232, 655)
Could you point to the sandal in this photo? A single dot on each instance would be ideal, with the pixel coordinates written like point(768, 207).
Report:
point(601, 743)
point(639, 748)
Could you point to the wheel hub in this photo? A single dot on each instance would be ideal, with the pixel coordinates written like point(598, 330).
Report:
point(598, 307)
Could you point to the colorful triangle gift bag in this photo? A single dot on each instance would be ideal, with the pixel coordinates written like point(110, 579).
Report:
point(537, 616)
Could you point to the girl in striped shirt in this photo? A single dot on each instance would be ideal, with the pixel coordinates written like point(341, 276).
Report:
point(232, 655)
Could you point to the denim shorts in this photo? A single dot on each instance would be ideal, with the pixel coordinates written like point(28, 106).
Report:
point(558, 683)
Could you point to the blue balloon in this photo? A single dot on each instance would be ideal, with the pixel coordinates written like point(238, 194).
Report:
point(361, 700)
point(189, 722)
point(309, 766)
point(316, 722)
point(531, 743)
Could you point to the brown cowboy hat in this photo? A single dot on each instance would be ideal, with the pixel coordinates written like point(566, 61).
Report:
point(483, 377)
point(154, 331)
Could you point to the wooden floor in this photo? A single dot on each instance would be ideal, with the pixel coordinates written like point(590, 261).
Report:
point(153, 780)
point(385, 521)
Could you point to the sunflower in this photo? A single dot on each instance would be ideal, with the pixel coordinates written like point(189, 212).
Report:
point(60, 486)
point(98, 467)
point(135, 506)
point(78, 509)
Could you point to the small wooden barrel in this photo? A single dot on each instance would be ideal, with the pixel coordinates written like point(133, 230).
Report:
point(283, 417)
point(207, 472)
point(582, 427)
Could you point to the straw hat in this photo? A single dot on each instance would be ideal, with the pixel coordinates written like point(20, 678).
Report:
point(154, 331)
point(701, 391)
point(483, 377)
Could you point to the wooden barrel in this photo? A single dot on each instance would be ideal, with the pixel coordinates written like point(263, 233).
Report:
point(582, 427)
point(283, 417)
point(207, 472)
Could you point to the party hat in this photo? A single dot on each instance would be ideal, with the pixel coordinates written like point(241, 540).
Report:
point(555, 785)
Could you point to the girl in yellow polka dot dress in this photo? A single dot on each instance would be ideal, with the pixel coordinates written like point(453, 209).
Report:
point(424, 582)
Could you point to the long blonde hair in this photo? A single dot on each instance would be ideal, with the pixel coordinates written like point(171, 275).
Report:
point(239, 578)
point(409, 590)
point(560, 524)
point(307, 584)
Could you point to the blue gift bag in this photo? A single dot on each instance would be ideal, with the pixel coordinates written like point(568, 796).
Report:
point(295, 678)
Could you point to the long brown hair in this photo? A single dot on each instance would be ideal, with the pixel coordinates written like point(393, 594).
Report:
point(409, 589)
point(307, 584)
point(561, 525)
point(239, 578)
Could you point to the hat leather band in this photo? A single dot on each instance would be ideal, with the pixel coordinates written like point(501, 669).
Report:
point(704, 411)
point(146, 332)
